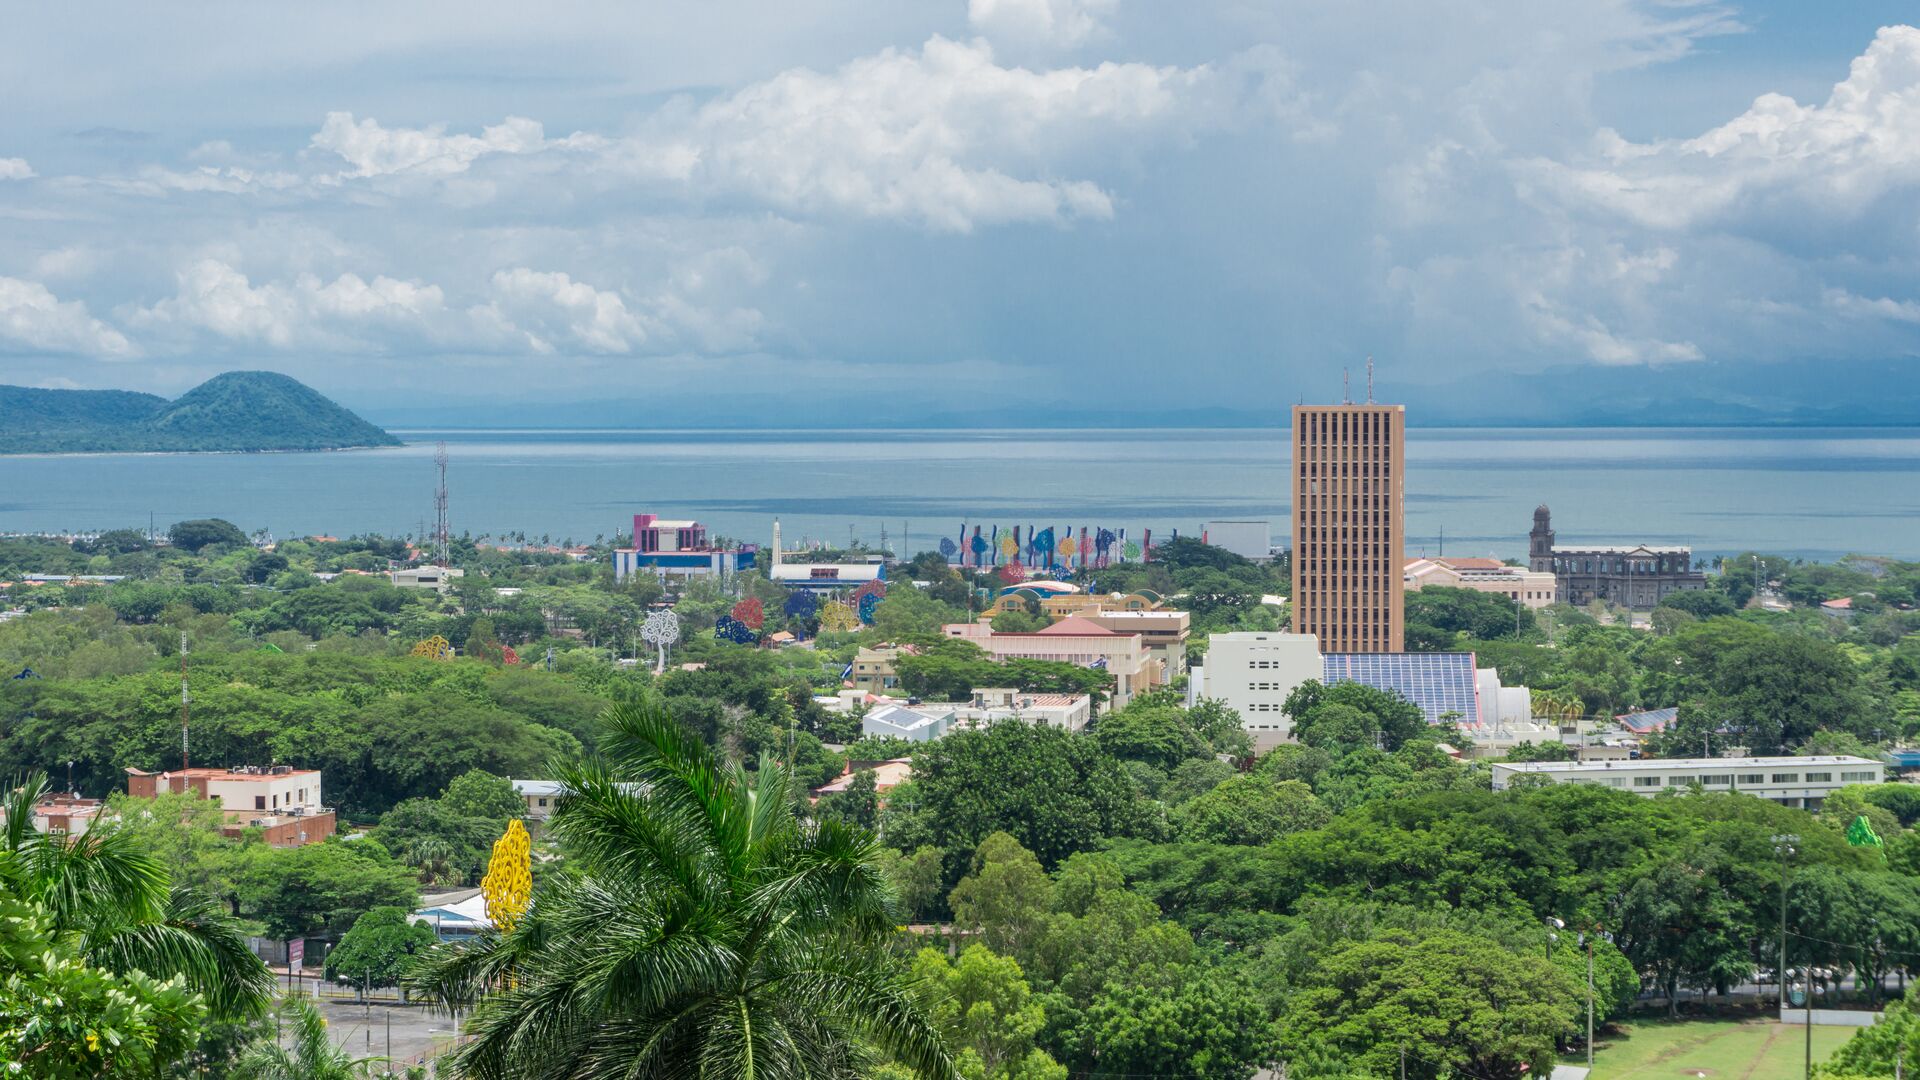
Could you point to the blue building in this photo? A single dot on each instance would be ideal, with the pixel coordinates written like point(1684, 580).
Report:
point(677, 549)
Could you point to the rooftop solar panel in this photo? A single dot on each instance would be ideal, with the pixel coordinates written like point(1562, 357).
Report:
point(1440, 683)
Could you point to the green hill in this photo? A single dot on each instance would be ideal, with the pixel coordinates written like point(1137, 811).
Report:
point(240, 410)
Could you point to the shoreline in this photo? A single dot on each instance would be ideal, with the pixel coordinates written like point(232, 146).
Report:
point(195, 453)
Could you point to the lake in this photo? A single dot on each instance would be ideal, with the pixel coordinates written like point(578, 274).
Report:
point(1817, 493)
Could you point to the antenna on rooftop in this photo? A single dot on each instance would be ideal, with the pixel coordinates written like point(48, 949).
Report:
point(1369, 380)
point(440, 552)
point(1346, 387)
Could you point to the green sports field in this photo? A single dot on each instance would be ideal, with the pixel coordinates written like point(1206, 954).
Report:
point(1714, 1049)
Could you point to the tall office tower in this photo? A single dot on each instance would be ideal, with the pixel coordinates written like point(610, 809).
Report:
point(1349, 468)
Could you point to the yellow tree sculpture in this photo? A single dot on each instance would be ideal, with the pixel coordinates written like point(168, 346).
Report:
point(508, 886)
point(434, 648)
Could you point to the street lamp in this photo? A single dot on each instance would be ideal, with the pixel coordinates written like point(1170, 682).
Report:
point(1586, 939)
point(1783, 846)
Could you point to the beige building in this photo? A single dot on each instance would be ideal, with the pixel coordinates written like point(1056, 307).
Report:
point(281, 801)
point(1349, 481)
point(1802, 782)
point(1164, 632)
point(873, 667)
point(1533, 588)
point(1073, 641)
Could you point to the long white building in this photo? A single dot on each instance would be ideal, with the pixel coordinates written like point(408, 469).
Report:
point(1803, 782)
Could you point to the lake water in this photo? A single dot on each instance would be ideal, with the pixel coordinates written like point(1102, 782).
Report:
point(1810, 492)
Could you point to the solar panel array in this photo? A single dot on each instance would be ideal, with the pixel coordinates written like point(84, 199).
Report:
point(1440, 683)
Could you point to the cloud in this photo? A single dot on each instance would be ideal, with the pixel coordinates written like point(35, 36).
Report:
point(1039, 22)
point(374, 150)
point(548, 306)
point(13, 168)
point(1778, 158)
point(943, 137)
point(216, 297)
point(1847, 303)
point(34, 319)
point(937, 137)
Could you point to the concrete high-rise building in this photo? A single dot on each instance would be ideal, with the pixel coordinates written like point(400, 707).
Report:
point(1349, 482)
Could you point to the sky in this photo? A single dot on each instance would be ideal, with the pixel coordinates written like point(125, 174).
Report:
point(1117, 203)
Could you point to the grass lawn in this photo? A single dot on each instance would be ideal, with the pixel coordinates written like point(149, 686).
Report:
point(1719, 1049)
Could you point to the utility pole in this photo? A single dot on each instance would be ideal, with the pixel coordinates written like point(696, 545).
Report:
point(1589, 935)
point(186, 701)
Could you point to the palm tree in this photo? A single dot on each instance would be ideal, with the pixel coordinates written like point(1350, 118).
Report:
point(700, 929)
point(313, 1056)
point(117, 904)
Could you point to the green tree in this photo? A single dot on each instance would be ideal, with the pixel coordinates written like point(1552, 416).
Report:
point(1209, 1025)
point(698, 928)
point(1250, 809)
point(988, 1012)
point(1454, 1003)
point(114, 907)
point(1005, 898)
point(65, 1018)
point(1347, 715)
point(323, 888)
point(916, 879)
point(379, 948)
point(204, 532)
point(1052, 790)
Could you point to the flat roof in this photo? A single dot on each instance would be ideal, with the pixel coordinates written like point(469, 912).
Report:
point(256, 773)
point(1684, 763)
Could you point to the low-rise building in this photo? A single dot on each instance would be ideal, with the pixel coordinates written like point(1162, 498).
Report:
point(65, 812)
point(1531, 588)
point(1073, 641)
point(1255, 673)
point(873, 666)
point(1803, 782)
point(887, 775)
point(1252, 673)
point(541, 796)
point(914, 723)
point(437, 578)
point(679, 550)
point(283, 802)
point(1247, 539)
point(824, 577)
point(1070, 711)
point(1163, 632)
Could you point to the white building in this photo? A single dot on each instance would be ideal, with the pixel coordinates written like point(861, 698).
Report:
point(1253, 673)
point(1247, 539)
point(437, 578)
point(1070, 711)
point(1802, 782)
point(914, 724)
point(541, 796)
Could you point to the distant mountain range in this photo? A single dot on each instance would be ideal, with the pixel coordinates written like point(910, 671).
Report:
point(237, 411)
point(1820, 393)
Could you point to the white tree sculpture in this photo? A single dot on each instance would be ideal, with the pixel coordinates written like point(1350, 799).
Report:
point(661, 630)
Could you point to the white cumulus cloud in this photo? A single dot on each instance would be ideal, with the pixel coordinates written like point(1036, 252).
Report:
point(550, 307)
point(215, 296)
point(1835, 159)
point(374, 150)
point(33, 319)
point(1039, 22)
point(944, 137)
point(13, 168)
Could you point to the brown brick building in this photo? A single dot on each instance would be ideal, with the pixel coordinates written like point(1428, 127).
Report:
point(1349, 482)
